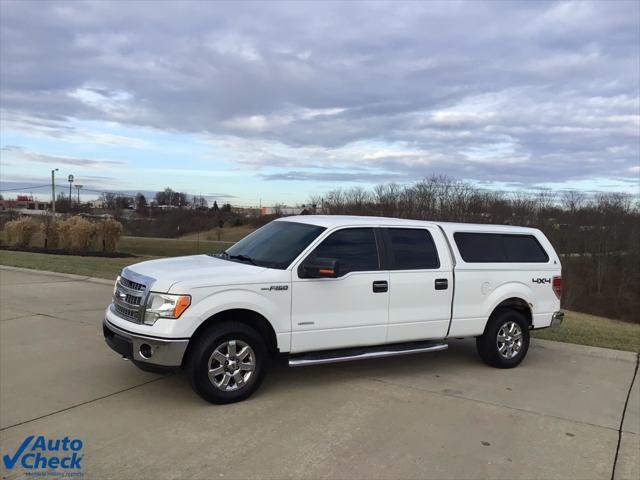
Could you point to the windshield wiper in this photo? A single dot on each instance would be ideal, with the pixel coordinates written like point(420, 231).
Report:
point(242, 258)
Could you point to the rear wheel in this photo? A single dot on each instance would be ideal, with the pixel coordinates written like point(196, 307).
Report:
point(227, 363)
point(505, 341)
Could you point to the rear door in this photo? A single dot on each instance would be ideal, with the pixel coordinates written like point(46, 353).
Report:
point(420, 283)
point(350, 310)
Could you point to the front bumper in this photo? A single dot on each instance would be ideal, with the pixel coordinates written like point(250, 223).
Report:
point(164, 352)
point(556, 319)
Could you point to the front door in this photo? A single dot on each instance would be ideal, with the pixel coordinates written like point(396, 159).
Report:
point(350, 310)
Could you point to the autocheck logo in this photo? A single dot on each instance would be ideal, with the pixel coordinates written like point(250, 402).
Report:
point(36, 453)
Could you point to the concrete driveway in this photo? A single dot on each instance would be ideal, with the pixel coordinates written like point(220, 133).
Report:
point(442, 415)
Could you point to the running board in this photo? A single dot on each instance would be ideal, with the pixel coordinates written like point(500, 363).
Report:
point(364, 353)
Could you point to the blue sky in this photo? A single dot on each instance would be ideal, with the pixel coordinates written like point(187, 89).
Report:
point(275, 102)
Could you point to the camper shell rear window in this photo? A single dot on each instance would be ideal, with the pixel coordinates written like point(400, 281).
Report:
point(499, 248)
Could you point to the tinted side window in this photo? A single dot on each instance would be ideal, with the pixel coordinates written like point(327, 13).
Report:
point(412, 249)
point(495, 247)
point(354, 248)
point(480, 247)
point(524, 248)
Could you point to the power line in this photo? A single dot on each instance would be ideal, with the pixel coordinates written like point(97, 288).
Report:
point(24, 188)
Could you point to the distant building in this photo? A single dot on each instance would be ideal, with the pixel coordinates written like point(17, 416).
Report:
point(282, 210)
point(24, 202)
point(246, 211)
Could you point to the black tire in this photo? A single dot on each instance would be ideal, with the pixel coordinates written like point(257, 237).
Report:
point(198, 366)
point(488, 344)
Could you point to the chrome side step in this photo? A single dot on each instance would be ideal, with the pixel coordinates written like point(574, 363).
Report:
point(364, 353)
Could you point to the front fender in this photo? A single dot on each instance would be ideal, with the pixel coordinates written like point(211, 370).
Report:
point(275, 306)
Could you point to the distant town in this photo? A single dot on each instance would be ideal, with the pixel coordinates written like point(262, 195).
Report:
point(107, 203)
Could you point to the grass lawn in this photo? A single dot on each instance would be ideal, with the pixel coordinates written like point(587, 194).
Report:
point(577, 328)
point(585, 329)
point(226, 234)
point(92, 266)
point(168, 247)
point(165, 247)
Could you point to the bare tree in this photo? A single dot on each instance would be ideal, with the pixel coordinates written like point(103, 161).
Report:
point(572, 200)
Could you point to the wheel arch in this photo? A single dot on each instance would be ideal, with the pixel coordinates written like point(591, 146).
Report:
point(245, 316)
point(514, 303)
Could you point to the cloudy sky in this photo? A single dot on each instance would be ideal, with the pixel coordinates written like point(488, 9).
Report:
point(276, 101)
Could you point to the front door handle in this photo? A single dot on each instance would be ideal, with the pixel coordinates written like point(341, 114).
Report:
point(442, 283)
point(380, 286)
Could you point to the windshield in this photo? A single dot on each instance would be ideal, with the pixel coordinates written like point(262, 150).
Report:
point(275, 245)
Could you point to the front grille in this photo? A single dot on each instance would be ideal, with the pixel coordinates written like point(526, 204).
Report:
point(127, 313)
point(132, 285)
point(132, 299)
point(129, 299)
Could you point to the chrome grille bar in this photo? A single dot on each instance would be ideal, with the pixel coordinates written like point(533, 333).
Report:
point(132, 285)
point(129, 297)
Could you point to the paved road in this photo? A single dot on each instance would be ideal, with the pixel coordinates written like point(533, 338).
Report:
point(442, 415)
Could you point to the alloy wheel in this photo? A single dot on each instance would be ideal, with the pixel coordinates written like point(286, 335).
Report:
point(231, 365)
point(509, 340)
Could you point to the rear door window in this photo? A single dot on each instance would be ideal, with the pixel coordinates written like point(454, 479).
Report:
point(412, 249)
point(499, 248)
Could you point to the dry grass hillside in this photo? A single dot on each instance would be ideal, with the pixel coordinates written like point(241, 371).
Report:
point(226, 234)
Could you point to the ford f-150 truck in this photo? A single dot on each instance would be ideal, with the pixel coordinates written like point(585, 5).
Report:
point(321, 289)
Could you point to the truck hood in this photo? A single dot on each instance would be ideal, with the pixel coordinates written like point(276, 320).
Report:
point(197, 270)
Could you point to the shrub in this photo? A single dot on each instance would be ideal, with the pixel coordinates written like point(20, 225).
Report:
point(20, 232)
point(65, 235)
point(77, 233)
point(83, 234)
point(111, 231)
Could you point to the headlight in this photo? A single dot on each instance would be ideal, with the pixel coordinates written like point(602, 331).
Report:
point(163, 305)
point(115, 286)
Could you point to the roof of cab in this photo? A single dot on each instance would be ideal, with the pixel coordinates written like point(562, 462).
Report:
point(332, 221)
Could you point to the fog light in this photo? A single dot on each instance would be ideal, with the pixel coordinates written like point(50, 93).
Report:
point(146, 351)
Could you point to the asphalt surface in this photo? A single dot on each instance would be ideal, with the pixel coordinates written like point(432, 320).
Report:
point(440, 415)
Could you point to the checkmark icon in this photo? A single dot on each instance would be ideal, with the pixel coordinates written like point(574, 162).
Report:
point(10, 462)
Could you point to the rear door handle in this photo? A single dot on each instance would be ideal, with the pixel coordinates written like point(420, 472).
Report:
point(442, 283)
point(380, 286)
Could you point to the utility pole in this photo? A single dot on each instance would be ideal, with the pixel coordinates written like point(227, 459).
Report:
point(78, 187)
point(53, 191)
point(70, 180)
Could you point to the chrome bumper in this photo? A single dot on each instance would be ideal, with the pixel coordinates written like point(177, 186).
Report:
point(557, 319)
point(140, 348)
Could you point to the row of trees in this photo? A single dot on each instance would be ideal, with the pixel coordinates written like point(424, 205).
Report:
point(165, 198)
point(597, 236)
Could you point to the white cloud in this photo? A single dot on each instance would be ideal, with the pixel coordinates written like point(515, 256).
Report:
point(502, 91)
point(26, 155)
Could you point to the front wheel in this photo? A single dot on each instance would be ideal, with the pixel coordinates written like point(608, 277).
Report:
point(505, 341)
point(227, 363)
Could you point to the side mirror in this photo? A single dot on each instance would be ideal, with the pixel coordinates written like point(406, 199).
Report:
point(319, 268)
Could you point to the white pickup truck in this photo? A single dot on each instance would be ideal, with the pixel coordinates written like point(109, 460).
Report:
point(321, 289)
